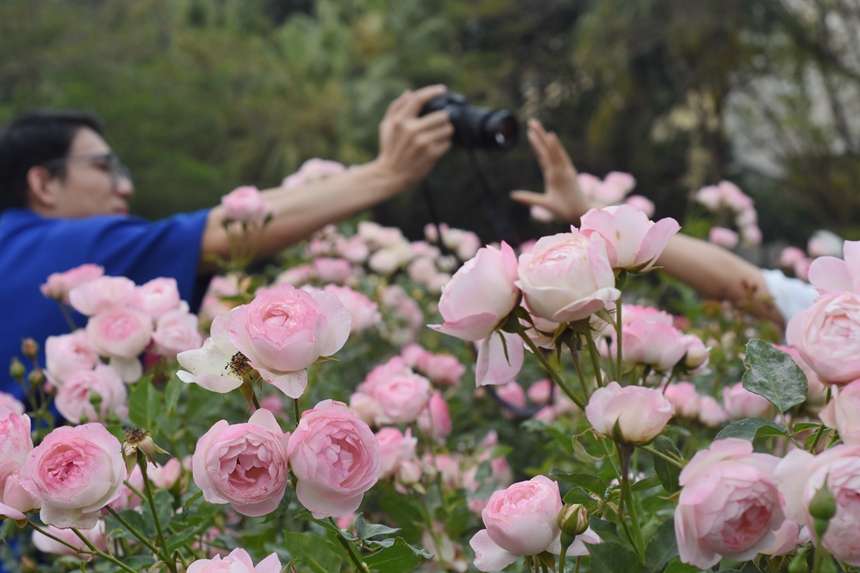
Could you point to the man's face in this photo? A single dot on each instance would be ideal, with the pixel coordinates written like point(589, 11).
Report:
point(90, 187)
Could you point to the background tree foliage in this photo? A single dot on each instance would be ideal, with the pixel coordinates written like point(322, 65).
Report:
point(200, 96)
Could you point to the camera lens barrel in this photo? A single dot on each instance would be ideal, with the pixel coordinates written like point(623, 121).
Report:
point(476, 127)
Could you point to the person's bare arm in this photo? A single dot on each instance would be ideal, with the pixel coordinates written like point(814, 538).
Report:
point(409, 147)
point(711, 271)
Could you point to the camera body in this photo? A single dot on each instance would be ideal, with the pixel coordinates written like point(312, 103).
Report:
point(476, 127)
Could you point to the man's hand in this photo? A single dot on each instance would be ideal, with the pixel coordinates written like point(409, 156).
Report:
point(409, 146)
point(563, 196)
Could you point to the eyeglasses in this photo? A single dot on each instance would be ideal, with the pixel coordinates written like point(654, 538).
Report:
point(112, 165)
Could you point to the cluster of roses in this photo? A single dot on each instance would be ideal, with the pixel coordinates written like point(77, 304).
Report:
point(611, 190)
point(726, 196)
point(124, 321)
point(821, 244)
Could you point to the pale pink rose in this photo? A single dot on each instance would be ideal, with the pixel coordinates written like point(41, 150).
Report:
point(746, 218)
point(120, 332)
point(435, 420)
point(791, 255)
point(365, 407)
point(284, 330)
point(447, 466)
point(711, 413)
point(157, 297)
point(711, 197)
point(830, 274)
point(631, 313)
point(413, 355)
point(12, 403)
point(396, 366)
point(128, 499)
point(176, 332)
point(622, 182)
point(74, 396)
point(519, 520)
point(364, 312)
point(384, 262)
point(394, 449)
point(424, 249)
point(442, 369)
point(641, 413)
point(827, 335)
point(330, 270)
point(542, 214)
point(824, 244)
point(400, 397)
point(101, 293)
point(74, 473)
point(656, 344)
point(567, 277)
point(801, 269)
point(217, 366)
point(165, 476)
point(697, 355)
point(734, 198)
point(684, 398)
point(296, 276)
point(212, 304)
point(45, 544)
point(274, 404)
point(480, 295)
point(633, 241)
point(353, 249)
point(723, 237)
point(58, 285)
point(370, 232)
point(644, 204)
point(245, 204)
point(312, 170)
point(244, 465)
point(841, 412)
point(15, 444)
point(238, 561)
point(437, 282)
point(750, 235)
point(729, 505)
point(335, 458)
point(422, 270)
point(469, 245)
point(541, 391)
point(801, 475)
point(67, 354)
point(740, 403)
point(512, 393)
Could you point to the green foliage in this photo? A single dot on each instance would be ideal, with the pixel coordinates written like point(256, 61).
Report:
point(398, 558)
point(667, 472)
point(751, 428)
point(144, 405)
point(774, 375)
point(317, 553)
point(662, 548)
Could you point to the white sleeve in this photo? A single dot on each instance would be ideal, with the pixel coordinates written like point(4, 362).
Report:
point(789, 295)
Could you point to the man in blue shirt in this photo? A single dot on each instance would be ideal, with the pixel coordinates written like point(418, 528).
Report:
point(64, 202)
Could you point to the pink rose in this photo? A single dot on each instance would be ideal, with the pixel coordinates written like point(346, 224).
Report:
point(740, 403)
point(296, 276)
point(157, 297)
point(751, 235)
point(238, 561)
point(353, 249)
point(67, 354)
point(634, 313)
point(641, 413)
point(128, 499)
point(120, 332)
point(729, 505)
point(542, 214)
point(734, 198)
point(723, 237)
point(642, 203)
point(384, 261)
point(217, 365)
point(801, 269)
point(399, 394)
point(541, 391)
point(414, 354)
point(101, 293)
point(684, 398)
point(45, 544)
point(244, 465)
point(481, 294)
point(711, 413)
point(435, 420)
point(841, 412)
point(633, 241)
point(14, 447)
point(519, 520)
point(165, 476)
point(711, 197)
point(74, 473)
point(442, 369)
point(335, 458)
point(245, 204)
point(284, 330)
point(801, 475)
point(74, 396)
point(658, 345)
point(364, 312)
point(824, 244)
point(12, 403)
point(422, 270)
point(512, 393)
point(829, 274)
point(616, 185)
point(827, 335)
point(567, 277)
point(175, 332)
point(58, 285)
point(394, 449)
point(330, 270)
point(790, 255)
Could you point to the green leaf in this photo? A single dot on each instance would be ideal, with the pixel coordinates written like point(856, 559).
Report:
point(651, 481)
point(751, 428)
point(282, 506)
point(399, 558)
point(668, 473)
point(312, 550)
point(144, 405)
point(142, 524)
point(774, 375)
point(164, 506)
point(586, 481)
point(366, 530)
point(801, 426)
point(613, 557)
point(581, 453)
point(605, 529)
point(662, 548)
point(172, 392)
point(579, 495)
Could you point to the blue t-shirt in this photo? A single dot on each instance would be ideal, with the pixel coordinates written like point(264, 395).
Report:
point(32, 247)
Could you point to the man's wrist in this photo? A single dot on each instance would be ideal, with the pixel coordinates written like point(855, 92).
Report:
point(385, 179)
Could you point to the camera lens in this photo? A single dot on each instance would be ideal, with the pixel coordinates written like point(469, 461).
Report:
point(502, 128)
point(476, 127)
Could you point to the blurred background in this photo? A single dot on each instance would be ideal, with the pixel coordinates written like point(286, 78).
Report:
point(201, 96)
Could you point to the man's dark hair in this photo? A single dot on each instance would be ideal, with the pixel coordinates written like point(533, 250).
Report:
point(34, 138)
